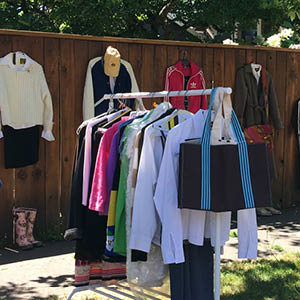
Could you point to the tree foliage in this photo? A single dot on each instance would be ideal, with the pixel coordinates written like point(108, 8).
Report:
point(144, 18)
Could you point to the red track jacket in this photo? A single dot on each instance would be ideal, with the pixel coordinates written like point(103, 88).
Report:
point(175, 82)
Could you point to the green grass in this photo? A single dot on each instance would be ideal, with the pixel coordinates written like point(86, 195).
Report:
point(277, 248)
point(265, 279)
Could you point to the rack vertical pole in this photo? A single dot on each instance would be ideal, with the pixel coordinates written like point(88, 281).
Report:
point(217, 263)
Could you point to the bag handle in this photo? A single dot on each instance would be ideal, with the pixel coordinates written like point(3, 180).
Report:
point(243, 158)
point(221, 104)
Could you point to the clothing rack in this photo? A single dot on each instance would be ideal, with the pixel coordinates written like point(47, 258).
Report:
point(217, 257)
point(162, 94)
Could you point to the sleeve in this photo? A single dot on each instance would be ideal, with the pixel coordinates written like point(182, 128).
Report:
point(273, 105)
point(1, 133)
point(48, 109)
point(240, 95)
point(165, 199)
point(144, 225)
point(167, 84)
point(134, 86)
point(203, 97)
point(247, 233)
point(88, 95)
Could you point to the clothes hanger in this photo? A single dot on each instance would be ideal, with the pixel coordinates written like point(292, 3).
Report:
point(184, 61)
point(117, 118)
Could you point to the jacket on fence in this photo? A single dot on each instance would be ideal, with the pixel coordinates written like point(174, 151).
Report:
point(250, 107)
point(249, 99)
point(175, 81)
point(25, 100)
point(97, 84)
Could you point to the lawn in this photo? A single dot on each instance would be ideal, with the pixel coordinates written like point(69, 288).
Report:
point(276, 278)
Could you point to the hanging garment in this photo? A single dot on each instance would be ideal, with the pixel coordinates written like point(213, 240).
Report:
point(184, 224)
point(145, 228)
point(25, 100)
point(152, 272)
point(99, 199)
point(21, 146)
point(87, 151)
point(97, 84)
point(113, 177)
point(249, 104)
point(193, 279)
point(175, 78)
point(249, 99)
point(125, 197)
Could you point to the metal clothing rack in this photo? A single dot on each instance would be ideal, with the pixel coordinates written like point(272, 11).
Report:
point(217, 256)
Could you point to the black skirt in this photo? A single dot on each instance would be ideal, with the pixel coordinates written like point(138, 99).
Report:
point(21, 146)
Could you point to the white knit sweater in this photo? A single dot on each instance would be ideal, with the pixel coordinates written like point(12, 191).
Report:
point(25, 100)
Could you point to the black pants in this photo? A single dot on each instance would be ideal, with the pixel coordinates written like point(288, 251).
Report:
point(21, 146)
point(193, 279)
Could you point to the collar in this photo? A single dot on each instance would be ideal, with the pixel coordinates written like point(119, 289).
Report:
point(8, 60)
point(248, 68)
point(193, 70)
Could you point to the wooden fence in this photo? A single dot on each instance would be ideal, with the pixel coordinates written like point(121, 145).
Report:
point(46, 185)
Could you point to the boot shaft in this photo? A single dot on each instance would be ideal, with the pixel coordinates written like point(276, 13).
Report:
point(20, 223)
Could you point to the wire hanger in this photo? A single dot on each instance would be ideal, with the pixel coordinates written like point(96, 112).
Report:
point(184, 59)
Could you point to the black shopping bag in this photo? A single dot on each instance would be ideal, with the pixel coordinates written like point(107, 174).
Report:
point(220, 172)
point(225, 177)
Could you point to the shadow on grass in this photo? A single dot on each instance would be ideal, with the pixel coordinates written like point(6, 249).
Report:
point(264, 279)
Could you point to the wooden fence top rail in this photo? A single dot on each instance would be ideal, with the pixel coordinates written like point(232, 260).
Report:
point(136, 40)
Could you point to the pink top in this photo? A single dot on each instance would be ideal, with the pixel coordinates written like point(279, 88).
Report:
point(99, 197)
point(88, 152)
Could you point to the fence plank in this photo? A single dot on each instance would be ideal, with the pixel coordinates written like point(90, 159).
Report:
point(261, 58)
point(229, 69)
point(81, 52)
point(68, 127)
point(250, 56)
point(135, 59)
point(208, 66)
point(32, 178)
point(240, 58)
point(290, 140)
point(147, 70)
point(6, 175)
point(219, 67)
point(123, 49)
point(95, 49)
point(279, 136)
point(196, 56)
point(52, 157)
point(160, 67)
point(173, 55)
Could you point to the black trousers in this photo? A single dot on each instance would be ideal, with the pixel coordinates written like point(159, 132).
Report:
point(193, 279)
